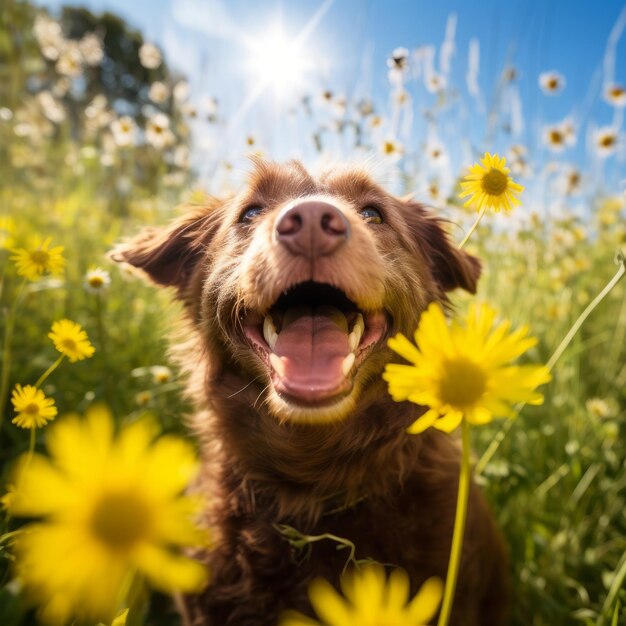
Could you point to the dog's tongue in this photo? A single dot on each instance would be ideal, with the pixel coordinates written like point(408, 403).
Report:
point(313, 344)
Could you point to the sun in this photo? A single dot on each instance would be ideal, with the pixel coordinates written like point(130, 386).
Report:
point(278, 61)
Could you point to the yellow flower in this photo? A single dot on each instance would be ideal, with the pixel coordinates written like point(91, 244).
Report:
point(121, 618)
point(7, 499)
point(32, 262)
point(33, 409)
point(111, 506)
point(7, 232)
point(370, 600)
point(71, 340)
point(490, 186)
point(464, 371)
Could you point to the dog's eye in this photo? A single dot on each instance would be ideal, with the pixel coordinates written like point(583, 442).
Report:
point(371, 215)
point(251, 212)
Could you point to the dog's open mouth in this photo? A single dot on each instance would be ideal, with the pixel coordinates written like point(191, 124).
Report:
point(313, 340)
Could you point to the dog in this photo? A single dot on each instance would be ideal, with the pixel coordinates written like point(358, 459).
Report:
point(291, 289)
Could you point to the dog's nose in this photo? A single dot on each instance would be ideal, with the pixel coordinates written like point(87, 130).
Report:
point(312, 229)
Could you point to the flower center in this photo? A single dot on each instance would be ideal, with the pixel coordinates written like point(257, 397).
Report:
point(463, 382)
point(119, 520)
point(607, 141)
point(40, 257)
point(556, 137)
point(494, 182)
point(68, 344)
point(31, 409)
point(95, 281)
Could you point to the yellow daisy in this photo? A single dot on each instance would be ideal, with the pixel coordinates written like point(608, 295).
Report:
point(71, 340)
point(464, 371)
point(32, 262)
point(7, 232)
point(370, 600)
point(33, 409)
point(490, 186)
point(111, 507)
point(6, 500)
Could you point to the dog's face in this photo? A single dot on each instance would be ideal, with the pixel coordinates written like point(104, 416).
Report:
point(295, 284)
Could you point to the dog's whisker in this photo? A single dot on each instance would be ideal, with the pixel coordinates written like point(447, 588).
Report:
point(232, 395)
point(263, 391)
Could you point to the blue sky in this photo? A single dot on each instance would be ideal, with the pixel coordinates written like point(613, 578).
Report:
point(349, 45)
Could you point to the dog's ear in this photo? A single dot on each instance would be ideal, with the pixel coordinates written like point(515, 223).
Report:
point(168, 255)
point(451, 267)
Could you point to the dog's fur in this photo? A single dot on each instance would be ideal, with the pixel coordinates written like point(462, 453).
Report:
point(345, 467)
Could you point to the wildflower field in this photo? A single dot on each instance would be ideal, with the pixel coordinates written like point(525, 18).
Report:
point(97, 140)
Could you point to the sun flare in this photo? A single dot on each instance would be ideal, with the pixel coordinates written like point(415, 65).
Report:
point(278, 61)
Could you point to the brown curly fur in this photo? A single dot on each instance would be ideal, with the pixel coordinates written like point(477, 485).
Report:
point(360, 477)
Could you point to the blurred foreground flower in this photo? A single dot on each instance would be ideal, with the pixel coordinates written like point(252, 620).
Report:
point(32, 262)
point(370, 600)
point(7, 232)
point(71, 340)
point(33, 409)
point(464, 371)
point(112, 507)
point(490, 186)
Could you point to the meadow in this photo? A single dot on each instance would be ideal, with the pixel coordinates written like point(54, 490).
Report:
point(95, 140)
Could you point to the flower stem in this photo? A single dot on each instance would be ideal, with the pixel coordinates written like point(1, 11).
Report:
point(473, 228)
point(459, 527)
point(6, 351)
point(29, 457)
point(31, 449)
point(508, 424)
point(49, 371)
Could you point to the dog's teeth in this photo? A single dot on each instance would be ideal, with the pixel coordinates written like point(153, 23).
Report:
point(359, 325)
point(269, 331)
point(347, 364)
point(353, 341)
point(334, 314)
point(277, 364)
point(357, 332)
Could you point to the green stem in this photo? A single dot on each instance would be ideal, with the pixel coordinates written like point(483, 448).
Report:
point(49, 371)
point(6, 351)
point(473, 228)
point(459, 527)
point(108, 392)
point(508, 424)
point(616, 585)
point(24, 468)
point(31, 449)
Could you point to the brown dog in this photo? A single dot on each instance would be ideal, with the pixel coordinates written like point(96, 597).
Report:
point(291, 289)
